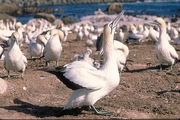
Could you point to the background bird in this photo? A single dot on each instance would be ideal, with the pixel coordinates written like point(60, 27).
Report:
point(53, 48)
point(14, 58)
point(165, 52)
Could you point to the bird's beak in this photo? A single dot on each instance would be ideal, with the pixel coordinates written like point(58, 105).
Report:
point(115, 22)
point(151, 23)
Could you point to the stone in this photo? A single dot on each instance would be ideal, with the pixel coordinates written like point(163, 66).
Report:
point(7, 17)
point(49, 17)
point(10, 9)
point(114, 8)
point(3, 86)
point(67, 20)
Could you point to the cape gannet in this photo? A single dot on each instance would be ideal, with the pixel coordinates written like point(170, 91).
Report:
point(14, 58)
point(120, 35)
point(79, 35)
point(52, 50)
point(36, 49)
point(154, 35)
point(173, 33)
point(122, 51)
point(89, 83)
point(165, 52)
point(86, 57)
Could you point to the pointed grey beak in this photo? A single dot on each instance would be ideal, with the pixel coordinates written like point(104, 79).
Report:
point(151, 23)
point(116, 20)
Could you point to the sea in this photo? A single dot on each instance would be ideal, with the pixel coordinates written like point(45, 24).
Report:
point(167, 8)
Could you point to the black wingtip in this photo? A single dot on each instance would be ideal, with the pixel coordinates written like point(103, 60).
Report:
point(59, 73)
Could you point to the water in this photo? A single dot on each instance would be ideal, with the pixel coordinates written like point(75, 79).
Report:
point(76, 11)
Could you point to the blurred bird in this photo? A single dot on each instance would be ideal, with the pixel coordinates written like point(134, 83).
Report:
point(53, 48)
point(14, 58)
point(36, 49)
point(165, 52)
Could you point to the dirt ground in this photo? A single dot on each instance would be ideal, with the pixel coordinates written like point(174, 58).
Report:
point(143, 92)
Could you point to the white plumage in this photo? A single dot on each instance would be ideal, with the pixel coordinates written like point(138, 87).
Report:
point(89, 83)
point(53, 48)
point(14, 58)
point(120, 35)
point(165, 52)
point(86, 57)
point(154, 35)
point(36, 49)
point(122, 51)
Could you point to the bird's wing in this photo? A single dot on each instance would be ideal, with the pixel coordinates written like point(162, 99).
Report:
point(79, 75)
point(85, 75)
point(4, 62)
point(25, 60)
point(173, 52)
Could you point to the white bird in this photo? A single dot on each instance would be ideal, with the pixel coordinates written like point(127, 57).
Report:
point(122, 51)
point(140, 28)
point(86, 57)
point(91, 40)
point(165, 52)
point(14, 58)
point(89, 83)
point(173, 33)
point(120, 35)
point(53, 48)
point(154, 35)
point(36, 49)
point(19, 29)
point(168, 28)
point(133, 35)
point(79, 35)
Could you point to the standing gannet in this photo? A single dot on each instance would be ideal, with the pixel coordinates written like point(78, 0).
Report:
point(14, 58)
point(120, 35)
point(53, 48)
point(36, 49)
point(86, 57)
point(133, 35)
point(165, 52)
point(79, 35)
point(19, 29)
point(89, 83)
point(122, 51)
point(173, 33)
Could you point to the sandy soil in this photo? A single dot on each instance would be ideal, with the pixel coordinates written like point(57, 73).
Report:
point(142, 93)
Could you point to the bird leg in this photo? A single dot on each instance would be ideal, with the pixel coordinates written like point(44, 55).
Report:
point(89, 108)
point(22, 75)
point(160, 69)
point(8, 74)
point(47, 63)
point(170, 69)
point(102, 112)
point(57, 63)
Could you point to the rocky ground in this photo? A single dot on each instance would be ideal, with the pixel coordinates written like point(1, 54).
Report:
point(143, 93)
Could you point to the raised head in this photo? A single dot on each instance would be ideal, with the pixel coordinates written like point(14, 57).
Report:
point(109, 28)
point(54, 32)
point(18, 25)
point(15, 36)
point(41, 39)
